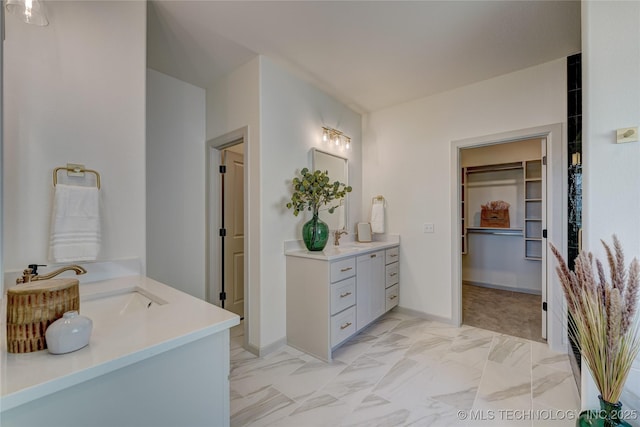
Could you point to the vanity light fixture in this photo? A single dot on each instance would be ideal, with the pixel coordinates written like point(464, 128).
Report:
point(29, 11)
point(336, 138)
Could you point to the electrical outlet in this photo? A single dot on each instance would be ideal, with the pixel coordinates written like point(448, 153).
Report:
point(427, 228)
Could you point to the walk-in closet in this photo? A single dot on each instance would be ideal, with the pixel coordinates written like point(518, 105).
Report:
point(502, 202)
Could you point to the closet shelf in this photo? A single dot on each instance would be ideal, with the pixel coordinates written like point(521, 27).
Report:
point(494, 168)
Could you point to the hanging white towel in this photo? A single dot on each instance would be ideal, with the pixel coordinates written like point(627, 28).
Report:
point(75, 224)
point(377, 217)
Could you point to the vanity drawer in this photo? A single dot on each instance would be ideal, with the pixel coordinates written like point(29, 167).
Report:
point(392, 297)
point(343, 295)
point(392, 255)
point(342, 269)
point(343, 325)
point(392, 274)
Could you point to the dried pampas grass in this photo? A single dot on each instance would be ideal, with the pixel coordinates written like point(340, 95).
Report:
point(605, 316)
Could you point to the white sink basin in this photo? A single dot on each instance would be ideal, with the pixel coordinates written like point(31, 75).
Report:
point(346, 248)
point(119, 303)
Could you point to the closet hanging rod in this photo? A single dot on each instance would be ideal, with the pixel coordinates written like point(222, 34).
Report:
point(75, 170)
point(495, 231)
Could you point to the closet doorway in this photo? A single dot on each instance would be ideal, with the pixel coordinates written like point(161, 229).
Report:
point(228, 238)
point(503, 226)
point(552, 204)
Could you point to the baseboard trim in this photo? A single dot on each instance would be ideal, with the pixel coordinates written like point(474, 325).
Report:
point(252, 349)
point(503, 288)
point(267, 349)
point(423, 315)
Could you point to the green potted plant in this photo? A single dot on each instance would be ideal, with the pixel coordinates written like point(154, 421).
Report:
point(605, 325)
point(311, 191)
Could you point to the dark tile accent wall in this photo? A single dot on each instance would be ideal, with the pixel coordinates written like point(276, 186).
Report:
point(574, 135)
point(574, 214)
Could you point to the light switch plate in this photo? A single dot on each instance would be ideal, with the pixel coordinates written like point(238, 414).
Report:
point(428, 228)
point(627, 135)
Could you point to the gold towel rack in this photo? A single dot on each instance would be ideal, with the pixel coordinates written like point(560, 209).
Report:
point(75, 170)
point(378, 199)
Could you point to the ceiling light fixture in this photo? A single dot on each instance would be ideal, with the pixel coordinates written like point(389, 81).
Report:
point(29, 11)
point(336, 138)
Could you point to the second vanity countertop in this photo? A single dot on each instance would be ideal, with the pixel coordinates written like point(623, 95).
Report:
point(345, 249)
point(117, 340)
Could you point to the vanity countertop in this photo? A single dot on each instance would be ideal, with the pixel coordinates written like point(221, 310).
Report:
point(117, 340)
point(344, 250)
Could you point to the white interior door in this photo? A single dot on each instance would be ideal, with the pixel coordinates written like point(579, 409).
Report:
point(233, 214)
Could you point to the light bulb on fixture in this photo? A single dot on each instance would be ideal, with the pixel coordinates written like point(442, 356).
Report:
point(29, 11)
point(336, 138)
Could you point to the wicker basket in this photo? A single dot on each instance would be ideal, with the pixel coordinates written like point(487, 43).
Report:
point(494, 218)
point(32, 307)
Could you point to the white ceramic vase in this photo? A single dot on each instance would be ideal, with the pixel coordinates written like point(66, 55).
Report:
point(69, 333)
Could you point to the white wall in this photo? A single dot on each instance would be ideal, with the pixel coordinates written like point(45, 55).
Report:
point(284, 116)
point(292, 113)
point(2, 28)
point(74, 91)
point(611, 100)
point(176, 183)
point(407, 152)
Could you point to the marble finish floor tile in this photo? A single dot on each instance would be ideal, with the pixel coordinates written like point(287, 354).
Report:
point(554, 388)
point(406, 371)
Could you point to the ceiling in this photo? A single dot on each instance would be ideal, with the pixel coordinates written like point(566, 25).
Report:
point(368, 54)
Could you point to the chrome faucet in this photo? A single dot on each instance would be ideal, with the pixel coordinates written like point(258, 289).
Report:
point(336, 236)
point(31, 274)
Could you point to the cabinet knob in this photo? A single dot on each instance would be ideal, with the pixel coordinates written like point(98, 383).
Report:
point(346, 294)
point(373, 255)
point(393, 297)
point(393, 256)
point(393, 274)
point(346, 269)
point(345, 326)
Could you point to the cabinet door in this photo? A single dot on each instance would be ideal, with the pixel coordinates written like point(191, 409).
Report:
point(370, 288)
point(378, 295)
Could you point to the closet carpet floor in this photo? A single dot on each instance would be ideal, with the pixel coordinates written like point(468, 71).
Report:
point(512, 313)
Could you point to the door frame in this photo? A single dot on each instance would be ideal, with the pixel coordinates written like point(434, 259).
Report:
point(213, 250)
point(556, 220)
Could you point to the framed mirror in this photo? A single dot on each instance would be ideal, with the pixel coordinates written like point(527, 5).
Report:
point(338, 170)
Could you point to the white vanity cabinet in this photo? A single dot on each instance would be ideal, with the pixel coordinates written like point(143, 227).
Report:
point(331, 295)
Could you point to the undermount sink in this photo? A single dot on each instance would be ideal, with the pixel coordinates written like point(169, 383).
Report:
point(346, 248)
point(119, 303)
point(362, 244)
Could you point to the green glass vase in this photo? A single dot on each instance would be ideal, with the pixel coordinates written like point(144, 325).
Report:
point(609, 415)
point(315, 234)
